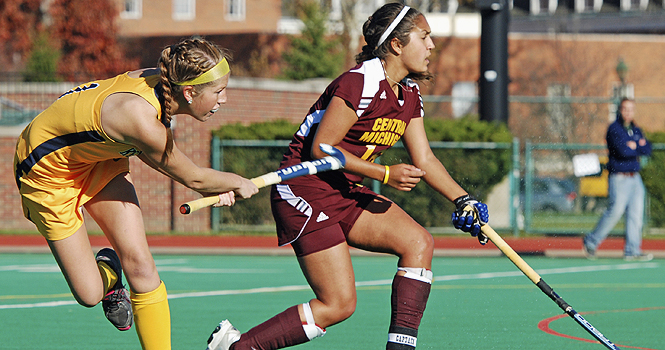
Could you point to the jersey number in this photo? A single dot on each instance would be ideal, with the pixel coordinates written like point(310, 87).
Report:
point(368, 154)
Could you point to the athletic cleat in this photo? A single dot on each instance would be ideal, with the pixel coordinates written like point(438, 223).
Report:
point(641, 257)
point(116, 303)
point(118, 309)
point(223, 336)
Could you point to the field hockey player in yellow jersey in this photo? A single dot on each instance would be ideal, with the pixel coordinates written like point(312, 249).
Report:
point(75, 154)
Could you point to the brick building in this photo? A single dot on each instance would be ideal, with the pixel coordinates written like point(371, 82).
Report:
point(592, 60)
point(145, 18)
point(541, 64)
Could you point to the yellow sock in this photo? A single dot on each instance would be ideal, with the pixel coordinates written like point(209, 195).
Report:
point(109, 276)
point(152, 318)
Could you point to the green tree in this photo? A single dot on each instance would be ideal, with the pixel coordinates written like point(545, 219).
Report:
point(43, 60)
point(86, 33)
point(313, 54)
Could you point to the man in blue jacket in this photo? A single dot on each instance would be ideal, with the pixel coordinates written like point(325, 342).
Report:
point(625, 144)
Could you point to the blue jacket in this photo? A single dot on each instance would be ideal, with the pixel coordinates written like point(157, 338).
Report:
point(622, 158)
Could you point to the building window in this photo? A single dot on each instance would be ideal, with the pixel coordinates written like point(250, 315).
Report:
point(582, 6)
point(132, 9)
point(549, 6)
point(634, 5)
point(235, 10)
point(184, 10)
point(537, 7)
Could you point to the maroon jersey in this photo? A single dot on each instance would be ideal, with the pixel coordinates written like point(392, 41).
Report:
point(315, 202)
point(382, 119)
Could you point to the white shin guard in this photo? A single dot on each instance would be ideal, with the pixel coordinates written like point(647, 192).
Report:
point(417, 273)
point(311, 329)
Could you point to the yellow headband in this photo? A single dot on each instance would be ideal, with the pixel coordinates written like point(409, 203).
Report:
point(216, 72)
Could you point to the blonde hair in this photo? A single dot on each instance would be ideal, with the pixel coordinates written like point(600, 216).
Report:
point(184, 61)
point(181, 62)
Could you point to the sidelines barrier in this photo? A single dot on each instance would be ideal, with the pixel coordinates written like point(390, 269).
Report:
point(542, 194)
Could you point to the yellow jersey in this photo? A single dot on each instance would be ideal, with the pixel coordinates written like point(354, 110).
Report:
point(64, 158)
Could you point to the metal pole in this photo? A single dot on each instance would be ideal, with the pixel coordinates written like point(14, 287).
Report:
point(217, 163)
point(493, 80)
point(515, 187)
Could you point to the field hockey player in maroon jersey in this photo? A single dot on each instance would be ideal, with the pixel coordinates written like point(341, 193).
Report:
point(363, 112)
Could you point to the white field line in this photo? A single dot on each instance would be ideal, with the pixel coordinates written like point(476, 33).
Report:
point(53, 268)
point(476, 276)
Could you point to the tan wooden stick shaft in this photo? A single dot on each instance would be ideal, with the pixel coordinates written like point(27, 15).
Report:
point(511, 254)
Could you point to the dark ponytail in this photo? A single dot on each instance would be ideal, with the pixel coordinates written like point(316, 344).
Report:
point(378, 23)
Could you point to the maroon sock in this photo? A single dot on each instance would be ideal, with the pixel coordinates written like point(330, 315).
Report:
point(281, 331)
point(409, 298)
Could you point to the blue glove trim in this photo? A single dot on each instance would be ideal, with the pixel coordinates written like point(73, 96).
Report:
point(483, 213)
point(471, 221)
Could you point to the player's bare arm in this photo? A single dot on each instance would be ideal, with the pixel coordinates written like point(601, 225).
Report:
point(436, 176)
point(335, 124)
point(130, 119)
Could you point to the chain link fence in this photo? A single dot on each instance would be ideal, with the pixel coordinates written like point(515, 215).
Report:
point(252, 158)
point(559, 196)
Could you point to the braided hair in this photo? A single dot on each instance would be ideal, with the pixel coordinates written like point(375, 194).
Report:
point(180, 62)
point(184, 61)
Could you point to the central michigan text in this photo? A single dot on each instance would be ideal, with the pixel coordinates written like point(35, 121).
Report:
point(385, 131)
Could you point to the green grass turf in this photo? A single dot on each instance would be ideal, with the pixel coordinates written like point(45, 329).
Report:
point(466, 310)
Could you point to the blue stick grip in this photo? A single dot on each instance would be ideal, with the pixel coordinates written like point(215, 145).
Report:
point(309, 168)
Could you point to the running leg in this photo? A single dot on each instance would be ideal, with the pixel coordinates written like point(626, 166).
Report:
point(393, 231)
point(118, 214)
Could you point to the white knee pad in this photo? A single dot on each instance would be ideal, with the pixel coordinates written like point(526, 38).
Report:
point(417, 273)
point(311, 329)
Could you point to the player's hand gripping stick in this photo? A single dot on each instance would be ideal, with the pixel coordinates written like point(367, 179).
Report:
point(335, 160)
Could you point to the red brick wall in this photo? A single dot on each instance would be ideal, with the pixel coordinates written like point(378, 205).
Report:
point(585, 62)
point(160, 197)
point(11, 214)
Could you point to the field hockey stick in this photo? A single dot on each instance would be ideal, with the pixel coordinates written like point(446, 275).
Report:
point(335, 160)
point(538, 281)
